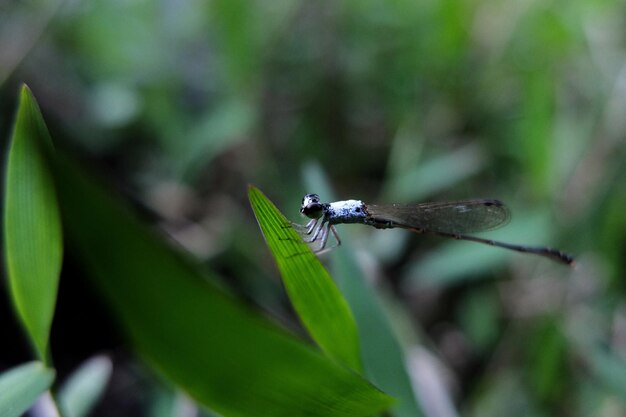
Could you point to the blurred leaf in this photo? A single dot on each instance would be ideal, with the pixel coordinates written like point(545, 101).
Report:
point(104, 33)
point(535, 129)
point(244, 31)
point(21, 386)
point(84, 387)
point(383, 358)
point(429, 177)
point(479, 316)
point(547, 349)
point(222, 129)
point(198, 337)
point(317, 300)
point(21, 27)
point(430, 381)
point(32, 229)
point(612, 227)
point(166, 401)
point(452, 263)
point(453, 34)
point(236, 25)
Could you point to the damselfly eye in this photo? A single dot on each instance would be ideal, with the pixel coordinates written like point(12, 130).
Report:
point(311, 206)
point(310, 199)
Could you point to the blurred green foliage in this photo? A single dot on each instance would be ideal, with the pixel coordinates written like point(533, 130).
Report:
point(198, 337)
point(21, 386)
point(187, 102)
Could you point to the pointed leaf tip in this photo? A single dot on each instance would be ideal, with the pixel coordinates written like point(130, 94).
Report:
point(315, 296)
point(32, 226)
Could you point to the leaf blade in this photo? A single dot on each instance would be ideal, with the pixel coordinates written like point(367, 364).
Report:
point(33, 242)
point(315, 296)
point(383, 354)
point(85, 386)
point(225, 356)
point(21, 386)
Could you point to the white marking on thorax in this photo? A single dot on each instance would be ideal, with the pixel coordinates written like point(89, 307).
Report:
point(348, 211)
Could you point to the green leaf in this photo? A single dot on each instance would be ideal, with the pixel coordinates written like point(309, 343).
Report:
point(21, 386)
point(317, 300)
point(547, 360)
point(225, 356)
point(33, 243)
point(418, 181)
point(382, 352)
point(383, 357)
point(85, 387)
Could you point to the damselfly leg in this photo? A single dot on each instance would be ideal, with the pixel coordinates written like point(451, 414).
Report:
point(318, 230)
point(329, 228)
point(305, 228)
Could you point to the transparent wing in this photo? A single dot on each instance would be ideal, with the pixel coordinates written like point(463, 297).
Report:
point(465, 216)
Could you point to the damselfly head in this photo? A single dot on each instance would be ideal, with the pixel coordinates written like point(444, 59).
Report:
point(311, 206)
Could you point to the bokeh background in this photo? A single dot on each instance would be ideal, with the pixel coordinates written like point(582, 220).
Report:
point(182, 103)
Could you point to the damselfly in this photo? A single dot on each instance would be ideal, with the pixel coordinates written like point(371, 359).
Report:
point(448, 219)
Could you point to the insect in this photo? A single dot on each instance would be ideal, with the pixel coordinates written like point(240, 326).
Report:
point(452, 219)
